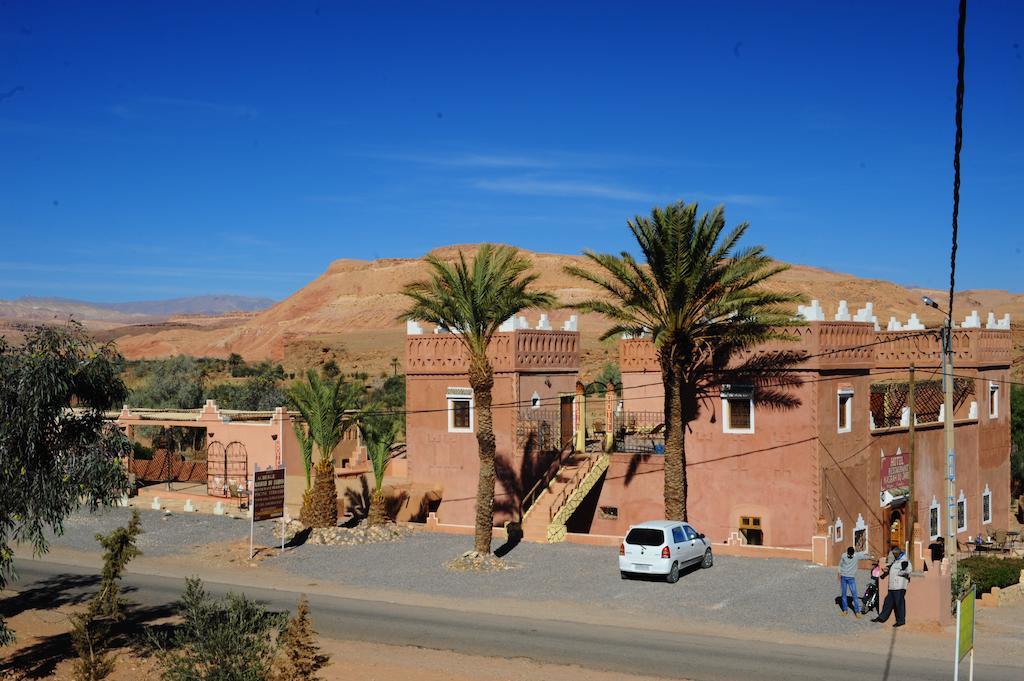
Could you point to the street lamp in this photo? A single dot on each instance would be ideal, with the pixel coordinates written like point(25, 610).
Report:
point(946, 336)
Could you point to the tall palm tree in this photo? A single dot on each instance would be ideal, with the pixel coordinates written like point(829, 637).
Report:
point(473, 299)
point(326, 407)
point(379, 434)
point(700, 297)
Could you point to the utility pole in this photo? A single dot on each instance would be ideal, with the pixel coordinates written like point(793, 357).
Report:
point(947, 386)
point(912, 432)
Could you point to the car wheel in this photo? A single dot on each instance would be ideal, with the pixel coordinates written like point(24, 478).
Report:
point(623, 575)
point(708, 561)
point(673, 575)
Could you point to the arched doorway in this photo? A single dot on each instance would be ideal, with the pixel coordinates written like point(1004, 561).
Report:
point(227, 468)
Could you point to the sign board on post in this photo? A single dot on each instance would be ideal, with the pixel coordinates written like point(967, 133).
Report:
point(895, 476)
point(267, 499)
point(964, 633)
point(268, 494)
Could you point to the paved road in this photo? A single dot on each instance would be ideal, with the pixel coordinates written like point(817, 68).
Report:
point(599, 647)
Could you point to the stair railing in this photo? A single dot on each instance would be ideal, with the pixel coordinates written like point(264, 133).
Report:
point(570, 487)
point(542, 483)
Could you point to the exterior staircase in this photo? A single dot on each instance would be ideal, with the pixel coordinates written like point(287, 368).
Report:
point(546, 517)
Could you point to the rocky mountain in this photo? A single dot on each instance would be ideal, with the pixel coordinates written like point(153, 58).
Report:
point(349, 313)
point(31, 308)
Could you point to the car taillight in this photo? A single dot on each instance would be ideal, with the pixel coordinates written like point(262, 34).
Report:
point(622, 549)
point(665, 553)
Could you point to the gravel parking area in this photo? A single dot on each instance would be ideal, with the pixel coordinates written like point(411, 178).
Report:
point(747, 592)
point(163, 535)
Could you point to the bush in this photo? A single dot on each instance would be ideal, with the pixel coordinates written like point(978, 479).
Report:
point(989, 571)
point(228, 639)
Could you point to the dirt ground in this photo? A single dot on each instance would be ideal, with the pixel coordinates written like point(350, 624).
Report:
point(349, 660)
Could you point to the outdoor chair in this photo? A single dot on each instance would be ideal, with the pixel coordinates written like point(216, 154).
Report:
point(999, 541)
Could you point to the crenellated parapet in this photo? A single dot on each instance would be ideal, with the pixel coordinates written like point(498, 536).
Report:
point(515, 350)
point(856, 341)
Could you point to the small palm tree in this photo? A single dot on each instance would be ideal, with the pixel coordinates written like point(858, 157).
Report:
point(701, 299)
point(326, 407)
point(379, 434)
point(473, 299)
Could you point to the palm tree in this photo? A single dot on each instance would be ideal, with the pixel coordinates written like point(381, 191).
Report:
point(305, 438)
point(379, 434)
point(701, 299)
point(325, 405)
point(473, 299)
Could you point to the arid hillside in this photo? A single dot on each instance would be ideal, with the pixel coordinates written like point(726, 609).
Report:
point(349, 314)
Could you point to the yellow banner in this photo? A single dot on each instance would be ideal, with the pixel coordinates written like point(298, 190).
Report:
point(965, 624)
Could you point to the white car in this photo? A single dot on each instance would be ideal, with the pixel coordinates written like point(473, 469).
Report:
point(663, 547)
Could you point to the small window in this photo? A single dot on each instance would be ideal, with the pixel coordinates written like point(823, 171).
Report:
point(737, 410)
point(993, 400)
point(986, 506)
point(645, 536)
point(838, 537)
point(844, 414)
point(750, 528)
point(535, 401)
point(677, 535)
point(691, 533)
point(860, 539)
point(934, 522)
point(609, 512)
point(460, 410)
point(961, 513)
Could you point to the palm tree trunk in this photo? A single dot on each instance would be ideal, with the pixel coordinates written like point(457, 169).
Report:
point(675, 440)
point(481, 379)
point(324, 502)
point(378, 514)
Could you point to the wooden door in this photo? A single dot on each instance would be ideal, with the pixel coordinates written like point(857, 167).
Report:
point(565, 421)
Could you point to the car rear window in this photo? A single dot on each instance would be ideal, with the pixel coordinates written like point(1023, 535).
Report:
point(645, 536)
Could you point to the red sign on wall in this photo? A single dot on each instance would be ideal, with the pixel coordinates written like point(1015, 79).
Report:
point(895, 474)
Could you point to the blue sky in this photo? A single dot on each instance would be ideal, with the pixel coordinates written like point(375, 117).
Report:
point(241, 147)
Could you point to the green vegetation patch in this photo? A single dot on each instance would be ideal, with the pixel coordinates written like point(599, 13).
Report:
point(990, 571)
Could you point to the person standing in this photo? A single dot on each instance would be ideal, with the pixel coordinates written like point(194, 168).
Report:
point(899, 578)
point(848, 565)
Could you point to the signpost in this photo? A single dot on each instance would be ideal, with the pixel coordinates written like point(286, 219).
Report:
point(267, 499)
point(964, 634)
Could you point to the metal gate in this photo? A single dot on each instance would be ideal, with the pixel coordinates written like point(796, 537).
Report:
point(227, 468)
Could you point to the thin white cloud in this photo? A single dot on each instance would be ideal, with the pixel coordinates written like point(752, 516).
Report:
point(529, 186)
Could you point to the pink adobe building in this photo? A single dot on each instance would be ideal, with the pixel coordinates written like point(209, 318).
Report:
point(809, 480)
point(535, 375)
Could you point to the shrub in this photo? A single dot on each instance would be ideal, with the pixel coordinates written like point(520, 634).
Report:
point(228, 639)
point(987, 572)
point(300, 658)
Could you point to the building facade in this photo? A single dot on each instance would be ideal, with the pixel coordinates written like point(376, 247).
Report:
point(535, 375)
point(833, 469)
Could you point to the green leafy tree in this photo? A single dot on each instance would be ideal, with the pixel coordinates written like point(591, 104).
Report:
point(174, 383)
point(236, 365)
point(701, 298)
point(230, 639)
point(474, 299)
point(330, 369)
point(379, 433)
point(54, 459)
point(325, 406)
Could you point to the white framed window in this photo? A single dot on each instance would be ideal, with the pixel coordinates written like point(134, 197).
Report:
point(934, 519)
point(460, 410)
point(737, 409)
point(838, 536)
point(993, 400)
point(986, 506)
point(961, 513)
point(535, 400)
point(844, 410)
point(860, 534)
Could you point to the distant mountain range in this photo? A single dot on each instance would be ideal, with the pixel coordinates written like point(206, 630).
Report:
point(31, 308)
